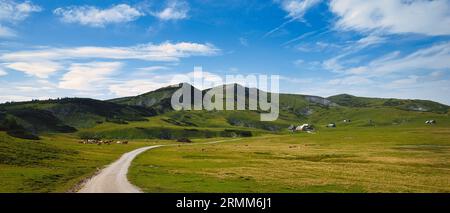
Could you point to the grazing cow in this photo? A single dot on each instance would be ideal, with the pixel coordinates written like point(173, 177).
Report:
point(430, 122)
point(291, 128)
point(304, 127)
point(331, 125)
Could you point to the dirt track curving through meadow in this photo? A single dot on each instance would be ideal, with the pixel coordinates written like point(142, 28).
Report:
point(113, 178)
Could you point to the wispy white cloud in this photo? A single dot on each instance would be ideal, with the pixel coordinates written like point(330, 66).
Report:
point(88, 76)
point(12, 11)
point(403, 82)
point(432, 58)
point(152, 82)
point(138, 86)
point(436, 57)
point(243, 41)
point(97, 17)
point(27, 90)
point(174, 10)
point(297, 81)
point(153, 68)
point(437, 74)
point(413, 86)
point(3, 72)
point(45, 61)
point(393, 16)
point(334, 64)
point(299, 62)
point(166, 51)
point(296, 9)
point(88, 69)
point(40, 69)
point(350, 80)
point(419, 74)
point(6, 32)
point(369, 41)
point(301, 37)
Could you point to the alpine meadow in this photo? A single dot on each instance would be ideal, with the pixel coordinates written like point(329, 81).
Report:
point(376, 145)
point(186, 99)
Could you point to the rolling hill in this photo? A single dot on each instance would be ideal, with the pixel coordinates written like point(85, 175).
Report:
point(409, 105)
point(386, 139)
point(150, 115)
point(158, 100)
point(65, 115)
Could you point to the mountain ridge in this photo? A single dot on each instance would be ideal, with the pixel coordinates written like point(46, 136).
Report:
point(68, 115)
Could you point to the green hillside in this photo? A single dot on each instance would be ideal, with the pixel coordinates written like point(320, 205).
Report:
point(409, 105)
point(39, 149)
point(150, 115)
point(66, 115)
point(158, 100)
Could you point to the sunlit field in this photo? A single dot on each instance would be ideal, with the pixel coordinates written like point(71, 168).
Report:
point(385, 159)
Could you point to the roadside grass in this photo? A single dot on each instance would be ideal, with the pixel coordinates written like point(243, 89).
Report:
point(356, 159)
point(56, 163)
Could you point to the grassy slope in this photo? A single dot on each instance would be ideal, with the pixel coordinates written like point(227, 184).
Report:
point(54, 164)
point(377, 116)
point(404, 104)
point(63, 115)
point(57, 162)
point(43, 166)
point(193, 124)
point(204, 124)
point(351, 159)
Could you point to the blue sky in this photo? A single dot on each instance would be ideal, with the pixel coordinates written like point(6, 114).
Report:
point(105, 49)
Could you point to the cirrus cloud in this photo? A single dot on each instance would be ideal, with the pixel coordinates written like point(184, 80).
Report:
point(12, 12)
point(174, 10)
point(88, 76)
point(166, 51)
point(6, 32)
point(2, 72)
point(296, 9)
point(393, 16)
point(95, 17)
point(40, 69)
point(435, 57)
point(45, 61)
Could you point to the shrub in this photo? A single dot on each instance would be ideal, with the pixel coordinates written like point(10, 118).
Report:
point(88, 135)
point(184, 140)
